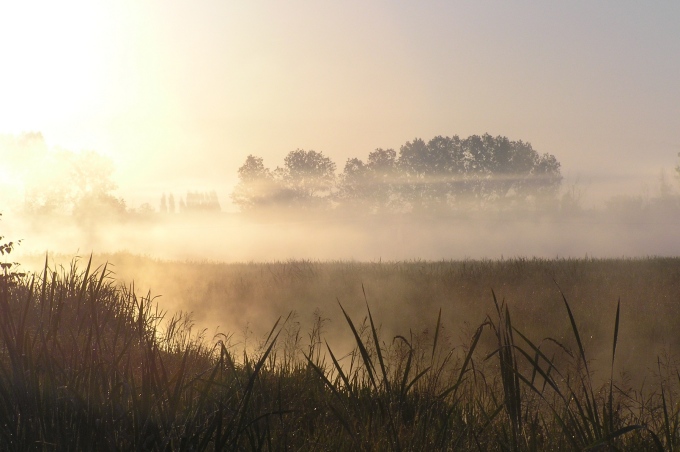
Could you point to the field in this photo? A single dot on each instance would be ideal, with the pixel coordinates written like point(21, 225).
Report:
point(516, 354)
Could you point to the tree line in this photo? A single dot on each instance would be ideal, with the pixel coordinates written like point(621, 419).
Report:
point(196, 201)
point(443, 173)
point(38, 181)
point(60, 181)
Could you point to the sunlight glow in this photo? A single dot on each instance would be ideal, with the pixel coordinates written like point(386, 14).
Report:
point(54, 75)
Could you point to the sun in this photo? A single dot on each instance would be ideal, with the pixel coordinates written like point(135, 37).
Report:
point(50, 61)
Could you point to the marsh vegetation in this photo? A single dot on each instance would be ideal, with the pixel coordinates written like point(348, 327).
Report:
point(458, 355)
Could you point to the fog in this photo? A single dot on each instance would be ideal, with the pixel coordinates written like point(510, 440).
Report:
point(231, 238)
point(180, 258)
point(64, 204)
point(290, 266)
point(432, 200)
point(173, 141)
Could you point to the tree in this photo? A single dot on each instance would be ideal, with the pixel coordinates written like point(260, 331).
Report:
point(164, 204)
point(446, 172)
point(202, 202)
point(61, 180)
point(146, 210)
point(56, 180)
point(504, 167)
point(353, 187)
point(371, 185)
point(475, 171)
point(383, 174)
point(96, 207)
point(91, 173)
point(545, 177)
point(171, 203)
point(430, 171)
point(309, 175)
point(306, 180)
point(256, 187)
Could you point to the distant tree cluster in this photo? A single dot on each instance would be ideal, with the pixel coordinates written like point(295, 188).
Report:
point(446, 172)
point(168, 204)
point(201, 202)
point(195, 202)
point(60, 181)
point(307, 179)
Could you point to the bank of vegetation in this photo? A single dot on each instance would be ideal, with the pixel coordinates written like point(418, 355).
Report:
point(88, 364)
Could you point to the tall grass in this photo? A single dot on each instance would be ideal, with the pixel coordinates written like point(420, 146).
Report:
point(88, 364)
point(85, 365)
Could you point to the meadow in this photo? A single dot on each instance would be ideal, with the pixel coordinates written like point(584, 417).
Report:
point(513, 354)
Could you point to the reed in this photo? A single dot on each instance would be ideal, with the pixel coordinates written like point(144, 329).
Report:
point(88, 364)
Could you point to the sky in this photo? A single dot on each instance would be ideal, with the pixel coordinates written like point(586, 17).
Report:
point(179, 93)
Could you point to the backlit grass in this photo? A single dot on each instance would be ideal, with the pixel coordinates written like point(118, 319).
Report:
point(88, 364)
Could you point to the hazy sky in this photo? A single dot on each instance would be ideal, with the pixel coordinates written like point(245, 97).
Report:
point(178, 93)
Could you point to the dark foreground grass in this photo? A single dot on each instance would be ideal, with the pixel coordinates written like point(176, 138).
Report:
point(86, 364)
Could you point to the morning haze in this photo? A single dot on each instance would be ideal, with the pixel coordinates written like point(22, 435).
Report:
point(177, 92)
point(448, 165)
